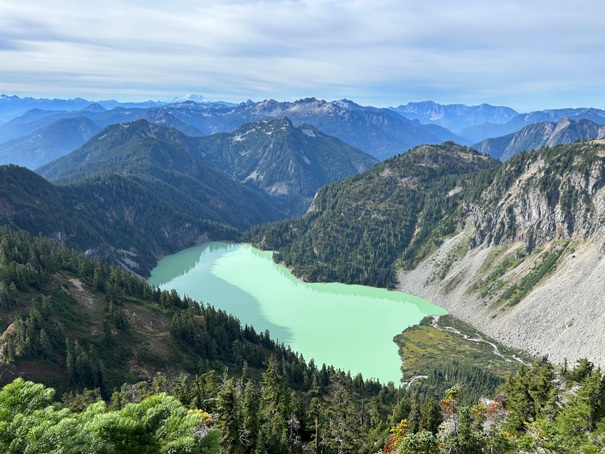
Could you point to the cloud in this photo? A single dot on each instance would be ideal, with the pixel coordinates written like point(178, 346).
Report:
point(380, 51)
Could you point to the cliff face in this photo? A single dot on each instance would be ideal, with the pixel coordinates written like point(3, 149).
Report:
point(528, 268)
point(552, 197)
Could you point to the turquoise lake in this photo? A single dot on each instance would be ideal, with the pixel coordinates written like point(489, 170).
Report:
point(348, 326)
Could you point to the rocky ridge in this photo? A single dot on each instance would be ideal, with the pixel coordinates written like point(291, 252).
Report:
point(528, 268)
point(544, 134)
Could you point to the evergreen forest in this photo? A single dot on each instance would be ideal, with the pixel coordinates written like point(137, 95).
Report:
point(83, 372)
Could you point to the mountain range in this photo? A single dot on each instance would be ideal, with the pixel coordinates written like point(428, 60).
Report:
point(49, 142)
point(538, 135)
point(31, 139)
point(14, 106)
point(27, 139)
point(455, 117)
point(379, 132)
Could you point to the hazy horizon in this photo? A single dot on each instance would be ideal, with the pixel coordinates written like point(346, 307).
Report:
point(524, 55)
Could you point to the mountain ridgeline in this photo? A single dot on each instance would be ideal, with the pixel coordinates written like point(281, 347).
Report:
point(288, 163)
point(538, 135)
point(379, 132)
point(279, 165)
point(30, 138)
point(49, 142)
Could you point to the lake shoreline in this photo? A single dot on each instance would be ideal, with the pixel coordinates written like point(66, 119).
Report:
point(348, 326)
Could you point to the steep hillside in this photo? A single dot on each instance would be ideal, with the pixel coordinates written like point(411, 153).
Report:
point(527, 268)
point(288, 163)
point(547, 134)
point(167, 164)
point(515, 249)
point(112, 218)
point(48, 143)
point(358, 228)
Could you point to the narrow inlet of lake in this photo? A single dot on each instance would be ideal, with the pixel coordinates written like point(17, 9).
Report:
point(348, 326)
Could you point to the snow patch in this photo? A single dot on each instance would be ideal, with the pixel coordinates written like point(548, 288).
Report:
point(280, 188)
point(254, 176)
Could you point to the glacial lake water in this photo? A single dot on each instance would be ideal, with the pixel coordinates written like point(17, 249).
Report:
point(348, 326)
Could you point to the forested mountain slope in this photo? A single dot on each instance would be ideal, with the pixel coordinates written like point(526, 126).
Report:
point(114, 218)
point(288, 163)
point(358, 228)
point(167, 164)
point(260, 159)
point(515, 249)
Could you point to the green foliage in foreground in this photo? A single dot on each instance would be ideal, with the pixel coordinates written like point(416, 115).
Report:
point(538, 410)
point(30, 422)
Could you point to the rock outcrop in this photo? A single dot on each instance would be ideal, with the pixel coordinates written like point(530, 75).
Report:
point(528, 267)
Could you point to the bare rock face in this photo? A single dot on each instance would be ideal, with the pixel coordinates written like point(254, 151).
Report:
point(547, 201)
point(529, 268)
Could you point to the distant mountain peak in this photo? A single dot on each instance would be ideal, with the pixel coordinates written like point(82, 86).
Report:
point(94, 107)
point(267, 126)
point(538, 135)
point(194, 97)
point(455, 117)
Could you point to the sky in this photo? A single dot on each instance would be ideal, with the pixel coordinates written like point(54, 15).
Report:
point(528, 55)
